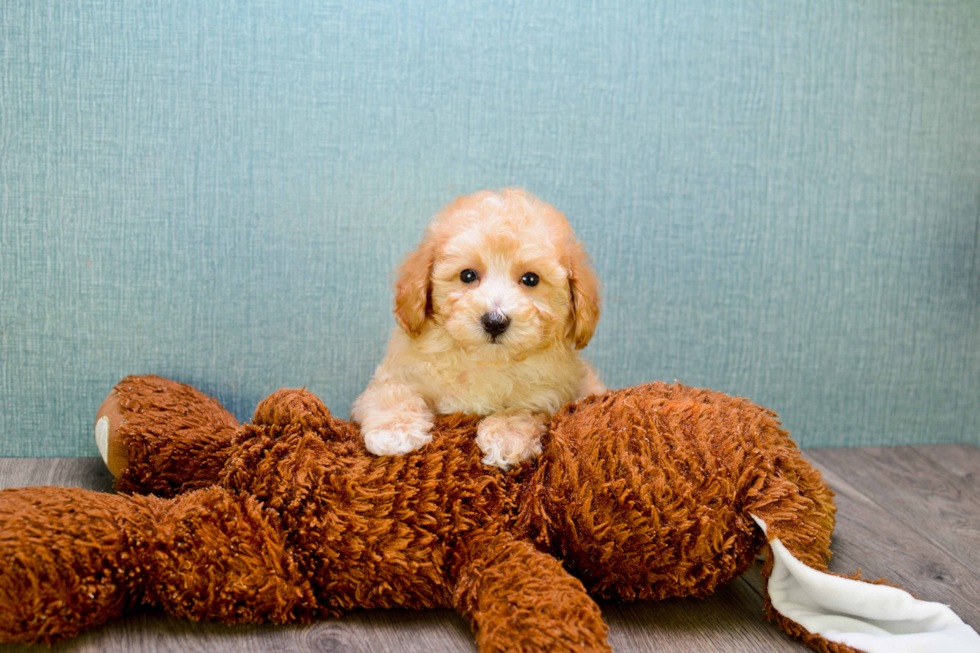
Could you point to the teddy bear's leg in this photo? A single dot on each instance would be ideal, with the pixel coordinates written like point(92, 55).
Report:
point(828, 612)
point(520, 599)
point(71, 559)
point(220, 555)
point(798, 508)
point(162, 437)
point(836, 614)
point(67, 561)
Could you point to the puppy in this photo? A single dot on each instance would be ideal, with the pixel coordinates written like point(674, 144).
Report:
point(492, 308)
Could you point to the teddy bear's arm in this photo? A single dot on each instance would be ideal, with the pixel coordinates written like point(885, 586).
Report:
point(519, 599)
point(162, 437)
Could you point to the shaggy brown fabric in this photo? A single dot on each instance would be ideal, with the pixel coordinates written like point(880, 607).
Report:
point(503, 588)
point(177, 438)
point(66, 562)
point(642, 493)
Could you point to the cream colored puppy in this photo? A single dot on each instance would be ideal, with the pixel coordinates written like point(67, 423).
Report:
point(492, 307)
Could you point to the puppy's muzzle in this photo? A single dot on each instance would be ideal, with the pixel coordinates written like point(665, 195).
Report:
point(494, 323)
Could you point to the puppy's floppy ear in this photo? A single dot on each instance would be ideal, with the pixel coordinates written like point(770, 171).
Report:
point(412, 291)
point(584, 287)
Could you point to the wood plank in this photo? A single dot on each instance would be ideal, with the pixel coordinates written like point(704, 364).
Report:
point(870, 537)
point(960, 460)
point(934, 490)
point(382, 631)
point(731, 620)
point(88, 473)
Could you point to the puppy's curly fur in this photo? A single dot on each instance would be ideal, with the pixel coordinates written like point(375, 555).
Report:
point(492, 308)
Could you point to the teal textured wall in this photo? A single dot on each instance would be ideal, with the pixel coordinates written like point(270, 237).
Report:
point(782, 198)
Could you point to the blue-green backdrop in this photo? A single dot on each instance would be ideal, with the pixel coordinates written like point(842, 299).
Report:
point(782, 197)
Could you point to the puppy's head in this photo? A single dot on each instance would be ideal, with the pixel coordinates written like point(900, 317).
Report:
point(503, 275)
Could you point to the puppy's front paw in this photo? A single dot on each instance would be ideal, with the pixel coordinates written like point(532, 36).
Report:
point(395, 441)
point(508, 439)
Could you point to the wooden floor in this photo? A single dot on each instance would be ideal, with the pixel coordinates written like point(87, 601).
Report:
point(911, 514)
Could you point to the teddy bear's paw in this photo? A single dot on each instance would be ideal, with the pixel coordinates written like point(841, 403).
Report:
point(506, 439)
point(102, 437)
point(114, 453)
point(395, 441)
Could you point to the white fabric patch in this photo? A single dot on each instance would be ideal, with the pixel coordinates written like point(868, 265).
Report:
point(872, 618)
point(102, 437)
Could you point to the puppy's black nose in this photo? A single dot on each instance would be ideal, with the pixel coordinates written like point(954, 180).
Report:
point(495, 323)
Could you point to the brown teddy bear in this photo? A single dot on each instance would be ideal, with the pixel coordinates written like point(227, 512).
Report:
point(643, 493)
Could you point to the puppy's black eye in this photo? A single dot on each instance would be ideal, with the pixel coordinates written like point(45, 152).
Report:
point(468, 276)
point(530, 279)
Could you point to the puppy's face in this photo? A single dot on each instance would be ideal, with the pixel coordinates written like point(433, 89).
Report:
point(503, 276)
point(499, 289)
